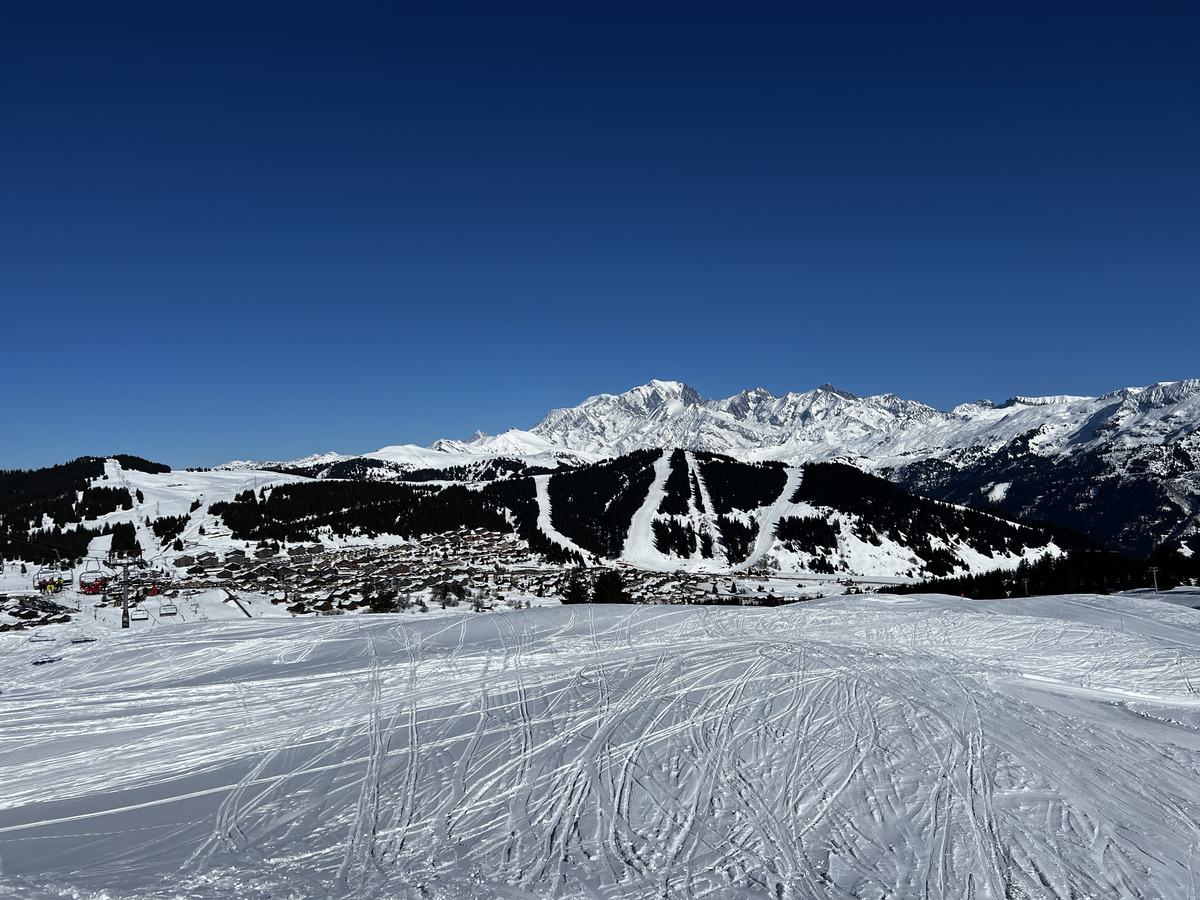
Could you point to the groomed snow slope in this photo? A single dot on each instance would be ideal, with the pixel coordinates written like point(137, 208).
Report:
point(866, 747)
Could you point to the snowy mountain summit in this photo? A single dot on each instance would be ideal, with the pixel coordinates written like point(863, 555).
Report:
point(1081, 461)
point(755, 423)
point(827, 422)
point(1123, 467)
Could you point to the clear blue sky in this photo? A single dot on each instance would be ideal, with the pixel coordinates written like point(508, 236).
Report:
point(260, 230)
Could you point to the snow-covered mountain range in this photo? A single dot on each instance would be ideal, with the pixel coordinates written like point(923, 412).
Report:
point(877, 432)
point(1123, 467)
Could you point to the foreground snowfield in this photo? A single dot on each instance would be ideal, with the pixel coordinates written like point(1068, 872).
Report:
point(856, 747)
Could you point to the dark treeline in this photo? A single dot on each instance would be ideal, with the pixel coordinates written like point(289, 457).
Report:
point(594, 506)
point(697, 494)
point(167, 528)
point(124, 540)
point(738, 485)
point(675, 538)
point(294, 512)
point(297, 512)
point(28, 498)
point(519, 497)
point(909, 519)
point(455, 507)
point(1077, 492)
point(44, 546)
point(48, 545)
point(63, 495)
point(678, 487)
point(365, 469)
point(357, 469)
point(485, 470)
point(25, 497)
point(607, 587)
point(1076, 572)
point(737, 536)
point(808, 534)
point(137, 464)
point(100, 501)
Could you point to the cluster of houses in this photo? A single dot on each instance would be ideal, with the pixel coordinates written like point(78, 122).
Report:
point(477, 569)
point(484, 569)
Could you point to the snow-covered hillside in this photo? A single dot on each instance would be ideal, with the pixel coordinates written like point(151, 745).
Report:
point(859, 747)
point(1082, 462)
point(682, 512)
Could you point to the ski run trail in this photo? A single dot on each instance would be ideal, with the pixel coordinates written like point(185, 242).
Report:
point(542, 487)
point(640, 549)
point(856, 747)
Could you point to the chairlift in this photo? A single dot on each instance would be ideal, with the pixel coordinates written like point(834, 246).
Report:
point(40, 638)
point(167, 608)
point(139, 614)
point(48, 579)
point(93, 583)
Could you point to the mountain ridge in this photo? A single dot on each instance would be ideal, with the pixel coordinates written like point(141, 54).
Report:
point(1123, 466)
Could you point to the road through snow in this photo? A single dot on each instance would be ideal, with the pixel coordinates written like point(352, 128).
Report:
point(858, 747)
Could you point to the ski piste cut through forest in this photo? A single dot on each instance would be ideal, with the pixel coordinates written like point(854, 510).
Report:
point(655, 509)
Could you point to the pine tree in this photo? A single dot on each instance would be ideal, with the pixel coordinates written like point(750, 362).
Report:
point(610, 588)
point(577, 591)
point(383, 601)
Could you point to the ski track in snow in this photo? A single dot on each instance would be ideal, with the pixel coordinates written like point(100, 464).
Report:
point(922, 747)
point(708, 518)
point(768, 518)
point(639, 543)
point(545, 525)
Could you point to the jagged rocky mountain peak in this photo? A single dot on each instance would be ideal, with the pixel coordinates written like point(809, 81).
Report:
point(1124, 466)
point(1165, 393)
point(649, 397)
point(828, 388)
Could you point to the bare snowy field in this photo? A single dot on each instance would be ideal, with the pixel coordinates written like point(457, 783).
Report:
point(856, 747)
